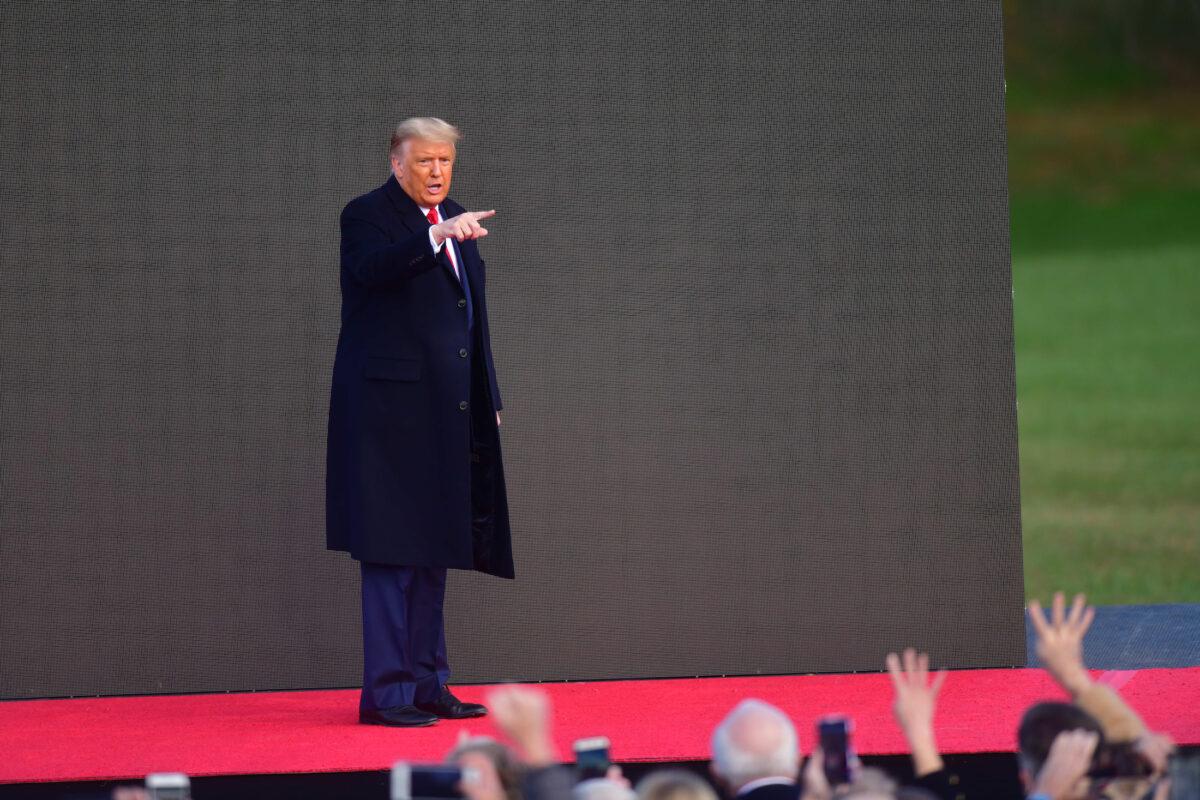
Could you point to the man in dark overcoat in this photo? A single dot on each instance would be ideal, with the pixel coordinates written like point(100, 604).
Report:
point(414, 481)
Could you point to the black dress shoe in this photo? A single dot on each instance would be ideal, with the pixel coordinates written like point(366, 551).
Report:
point(450, 707)
point(398, 717)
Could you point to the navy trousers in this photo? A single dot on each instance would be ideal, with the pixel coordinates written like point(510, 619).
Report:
point(404, 638)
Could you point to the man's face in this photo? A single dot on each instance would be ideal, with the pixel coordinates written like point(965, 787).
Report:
point(422, 168)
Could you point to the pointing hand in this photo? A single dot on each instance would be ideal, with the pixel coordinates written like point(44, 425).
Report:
point(464, 226)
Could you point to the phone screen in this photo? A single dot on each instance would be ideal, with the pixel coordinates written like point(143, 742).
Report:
point(168, 786)
point(834, 735)
point(592, 758)
point(411, 781)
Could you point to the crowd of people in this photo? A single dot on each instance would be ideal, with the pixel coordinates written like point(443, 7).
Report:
point(1091, 747)
point(1094, 746)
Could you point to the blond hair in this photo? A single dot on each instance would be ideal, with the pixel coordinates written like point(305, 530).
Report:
point(674, 784)
point(430, 129)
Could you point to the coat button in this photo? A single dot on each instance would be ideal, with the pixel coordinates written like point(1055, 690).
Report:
point(462, 303)
point(462, 352)
point(462, 406)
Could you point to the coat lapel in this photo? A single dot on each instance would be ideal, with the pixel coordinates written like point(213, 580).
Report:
point(408, 210)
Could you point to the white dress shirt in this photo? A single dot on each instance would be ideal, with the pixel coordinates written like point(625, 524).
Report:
point(437, 247)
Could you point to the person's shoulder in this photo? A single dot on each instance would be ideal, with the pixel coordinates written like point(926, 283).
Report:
point(772, 791)
point(451, 208)
point(366, 203)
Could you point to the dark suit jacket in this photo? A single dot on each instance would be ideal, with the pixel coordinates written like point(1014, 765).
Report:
point(414, 474)
point(773, 791)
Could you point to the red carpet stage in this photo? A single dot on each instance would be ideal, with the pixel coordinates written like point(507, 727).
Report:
point(654, 720)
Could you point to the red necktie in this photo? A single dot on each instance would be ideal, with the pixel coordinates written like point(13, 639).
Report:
point(432, 216)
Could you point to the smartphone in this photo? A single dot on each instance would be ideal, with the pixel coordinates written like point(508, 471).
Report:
point(592, 757)
point(412, 781)
point(1119, 760)
point(833, 732)
point(168, 786)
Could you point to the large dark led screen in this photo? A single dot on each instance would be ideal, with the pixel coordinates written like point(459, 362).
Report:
point(750, 297)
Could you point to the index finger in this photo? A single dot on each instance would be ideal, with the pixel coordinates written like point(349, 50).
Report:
point(478, 215)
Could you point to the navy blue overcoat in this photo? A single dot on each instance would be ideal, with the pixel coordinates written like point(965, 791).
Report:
point(414, 472)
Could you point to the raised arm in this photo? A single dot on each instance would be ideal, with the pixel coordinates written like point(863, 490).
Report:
point(914, 706)
point(1060, 650)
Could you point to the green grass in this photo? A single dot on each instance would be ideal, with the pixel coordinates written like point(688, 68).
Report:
point(1107, 316)
point(1059, 221)
point(1103, 106)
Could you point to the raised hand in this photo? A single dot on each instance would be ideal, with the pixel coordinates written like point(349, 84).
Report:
point(1060, 640)
point(1067, 763)
point(524, 715)
point(916, 701)
point(464, 226)
point(815, 786)
point(1156, 748)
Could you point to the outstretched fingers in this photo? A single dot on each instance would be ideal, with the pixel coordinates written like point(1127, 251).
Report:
point(1086, 622)
point(1080, 617)
point(1076, 611)
point(916, 666)
point(1058, 609)
point(1037, 617)
point(1075, 620)
point(893, 665)
point(912, 669)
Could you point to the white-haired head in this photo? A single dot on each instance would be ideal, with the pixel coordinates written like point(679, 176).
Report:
point(428, 129)
point(601, 789)
point(755, 741)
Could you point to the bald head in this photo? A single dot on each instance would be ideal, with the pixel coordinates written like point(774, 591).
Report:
point(755, 741)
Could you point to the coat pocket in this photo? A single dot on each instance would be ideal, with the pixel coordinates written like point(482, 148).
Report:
point(381, 368)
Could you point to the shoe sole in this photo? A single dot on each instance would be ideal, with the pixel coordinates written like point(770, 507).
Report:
point(398, 724)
